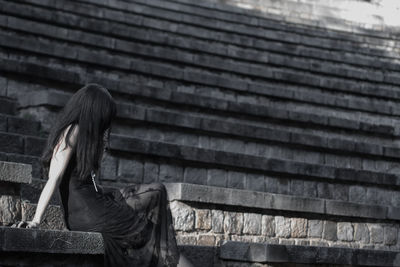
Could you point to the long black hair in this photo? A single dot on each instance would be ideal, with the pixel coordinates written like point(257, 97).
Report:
point(92, 108)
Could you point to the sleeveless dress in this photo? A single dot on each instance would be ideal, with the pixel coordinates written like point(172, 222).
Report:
point(135, 221)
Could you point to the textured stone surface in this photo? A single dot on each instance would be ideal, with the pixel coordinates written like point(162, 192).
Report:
point(203, 219)
point(252, 223)
point(233, 222)
point(10, 209)
point(345, 231)
point(53, 217)
point(361, 233)
point(315, 228)
point(268, 225)
point(217, 221)
point(376, 233)
point(15, 172)
point(282, 226)
point(183, 216)
point(330, 231)
point(298, 227)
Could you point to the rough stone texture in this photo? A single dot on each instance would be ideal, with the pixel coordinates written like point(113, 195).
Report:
point(268, 225)
point(390, 235)
point(361, 232)
point(10, 209)
point(298, 227)
point(15, 172)
point(252, 223)
point(376, 233)
point(217, 221)
point(345, 231)
point(233, 222)
point(203, 219)
point(183, 216)
point(53, 218)
point(282, 226)
point(236, 179)
point(206, 240)
point(329, 232)
point(315, 228)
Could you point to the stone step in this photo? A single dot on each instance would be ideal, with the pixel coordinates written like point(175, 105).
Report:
point(278, 74)
point(13, 172)
point(218, 126)
point(253, 253)
point(167, 94)
point(7, 105)
point(21, 158)
point(45, 247)
point(276, 62)
point(231, 12)
point(19, 125)
point(232, 161)
point(143, 10)
point(261, 201)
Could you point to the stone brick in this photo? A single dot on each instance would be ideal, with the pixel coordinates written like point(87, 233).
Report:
point(183, 216)
point(254, 182)
point(298, 227)
point(310, 189)
point(315, 228)
point(195, 175)
point(361, 233)
point(357, 193)
point(170, 173)
point(341, 192)
point(186, 239)
point(329, 232)
point(233, 222)
point(203, 219)
point(150, 172)
point(251, 223)
point(390, 235)
point(268, 225)
point(10, 209)
point(131, 170)
point(345, 231)
point(376, 233)
point(325, 190)
point(216, 177)
point(282, 226)
point(236, 179)
point(206, 240)
point(217, 221)
point(297, 187)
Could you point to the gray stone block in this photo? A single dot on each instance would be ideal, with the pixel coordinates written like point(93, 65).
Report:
point(15, 172)
point(195, 175)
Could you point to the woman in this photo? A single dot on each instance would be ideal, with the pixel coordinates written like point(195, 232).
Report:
point(135, 221)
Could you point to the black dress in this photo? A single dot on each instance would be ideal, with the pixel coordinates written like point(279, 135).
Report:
point(135, 221)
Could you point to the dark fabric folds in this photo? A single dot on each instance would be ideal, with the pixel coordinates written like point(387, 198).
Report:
point(135, 221)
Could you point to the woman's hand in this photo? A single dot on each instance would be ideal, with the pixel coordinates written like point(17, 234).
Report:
point(26, 224)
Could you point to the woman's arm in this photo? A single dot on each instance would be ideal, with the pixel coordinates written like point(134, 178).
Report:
point(58, 165)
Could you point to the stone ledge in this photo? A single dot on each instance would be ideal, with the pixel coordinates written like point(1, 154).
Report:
point(261, 200)
point(269, 253)
point(50, 241)
point(15, 172)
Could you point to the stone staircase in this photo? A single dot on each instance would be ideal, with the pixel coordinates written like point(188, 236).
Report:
point(278, 142)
